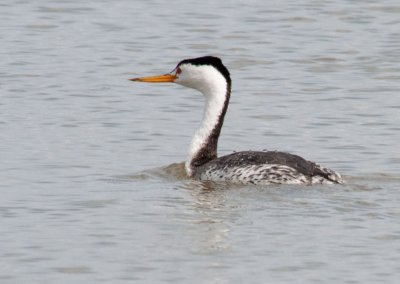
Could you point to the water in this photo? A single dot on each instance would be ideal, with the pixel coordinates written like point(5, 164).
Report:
point(84, 199)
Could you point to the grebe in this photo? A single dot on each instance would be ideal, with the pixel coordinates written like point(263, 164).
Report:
point(209, 76)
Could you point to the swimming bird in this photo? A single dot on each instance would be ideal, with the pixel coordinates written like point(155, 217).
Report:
point(210, 76)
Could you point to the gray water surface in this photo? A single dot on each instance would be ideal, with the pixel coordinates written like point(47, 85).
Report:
point(88, 195)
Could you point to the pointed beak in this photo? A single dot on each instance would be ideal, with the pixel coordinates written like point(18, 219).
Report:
point(166, 78)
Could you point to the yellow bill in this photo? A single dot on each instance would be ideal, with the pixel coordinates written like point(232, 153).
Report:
point(166, 78)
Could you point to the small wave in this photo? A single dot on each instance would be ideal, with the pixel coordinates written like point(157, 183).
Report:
point(175, 171)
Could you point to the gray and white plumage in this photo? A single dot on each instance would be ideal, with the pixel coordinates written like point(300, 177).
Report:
point(209, 76)
point(266, 167)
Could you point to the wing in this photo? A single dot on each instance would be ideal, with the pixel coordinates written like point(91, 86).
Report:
point(246, 158)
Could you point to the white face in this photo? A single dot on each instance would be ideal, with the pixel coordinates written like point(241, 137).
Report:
point(204, 78)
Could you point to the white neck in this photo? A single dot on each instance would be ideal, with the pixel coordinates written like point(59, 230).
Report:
point(215, 96)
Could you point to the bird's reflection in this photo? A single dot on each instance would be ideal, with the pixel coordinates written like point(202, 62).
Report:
point(215, 211)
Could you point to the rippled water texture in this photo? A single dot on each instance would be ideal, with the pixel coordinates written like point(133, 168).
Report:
point(91, 177)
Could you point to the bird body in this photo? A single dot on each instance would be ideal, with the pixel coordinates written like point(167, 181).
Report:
point(209, 76)
point(265, 167)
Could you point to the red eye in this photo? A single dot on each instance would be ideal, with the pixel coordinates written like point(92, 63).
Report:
point(178, 70)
